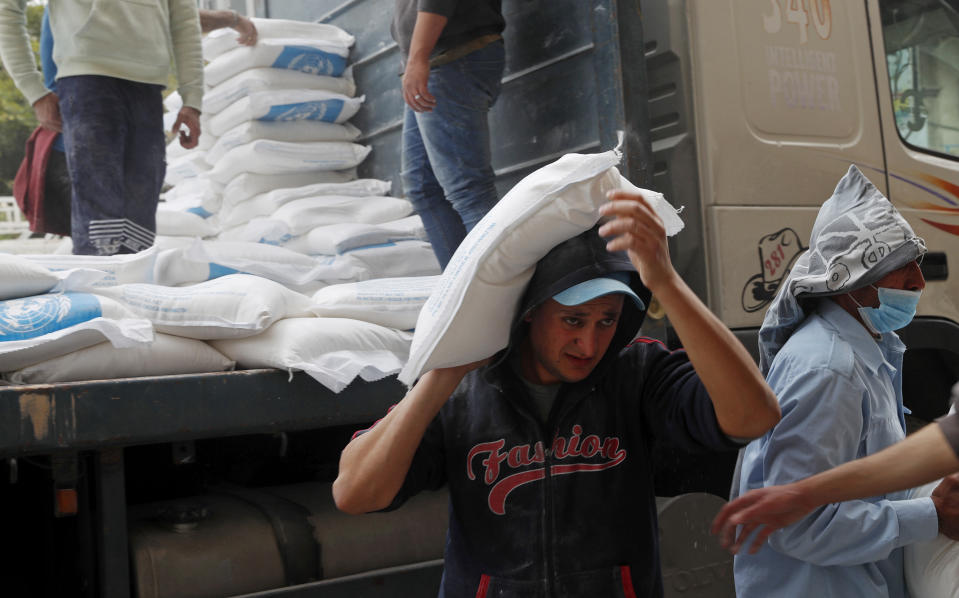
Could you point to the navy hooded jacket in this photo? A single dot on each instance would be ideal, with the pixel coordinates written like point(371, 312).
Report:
point(565, 508)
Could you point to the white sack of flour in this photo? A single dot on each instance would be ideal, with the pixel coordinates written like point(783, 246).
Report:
point(468, 316)
point(264, 79)
point(220, 41)
point(166, 355)
point(186, 167)
point(301, 130)
point(264, 156)
point(268, 201)
point(390, 302)
point(402, 258)
point(173, 221)
point(286, 105)
point(21, 277)
point(116, 269)
point(334, 351)
point(200, 190)
point(340, 238)
point(249, 185)
point(38, 328)
point(231, 306)
point(315, 56)
point(207, 260)
point(303, 215)
point(932, 567)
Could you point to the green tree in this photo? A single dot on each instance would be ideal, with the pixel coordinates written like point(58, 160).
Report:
point(17, 120)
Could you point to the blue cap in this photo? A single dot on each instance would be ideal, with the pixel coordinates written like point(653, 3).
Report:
point(597, 287)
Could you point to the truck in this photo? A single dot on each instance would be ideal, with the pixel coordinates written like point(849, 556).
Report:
point(744, 112)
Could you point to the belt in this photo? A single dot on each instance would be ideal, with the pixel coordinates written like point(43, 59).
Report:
point(463, 49)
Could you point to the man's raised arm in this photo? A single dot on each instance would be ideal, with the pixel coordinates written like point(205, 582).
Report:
point(745, 405)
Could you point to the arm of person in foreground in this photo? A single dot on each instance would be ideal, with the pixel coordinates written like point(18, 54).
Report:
point(745, 405)
point(416, 76)
point(373, 466)
point(218, 19)
point(823, 427)
point(921, 458)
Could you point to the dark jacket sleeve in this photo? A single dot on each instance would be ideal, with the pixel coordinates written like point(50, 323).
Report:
point(676, 408)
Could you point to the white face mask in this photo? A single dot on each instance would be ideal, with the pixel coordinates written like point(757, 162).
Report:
point(897, 307)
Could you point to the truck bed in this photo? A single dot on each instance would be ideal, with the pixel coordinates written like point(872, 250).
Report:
point(44, 418)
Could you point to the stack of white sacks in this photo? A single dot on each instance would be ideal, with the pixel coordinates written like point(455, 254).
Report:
point(270, 253)
point(277, 158)
point(246, 300)
point(342, 273)
point(69, 318)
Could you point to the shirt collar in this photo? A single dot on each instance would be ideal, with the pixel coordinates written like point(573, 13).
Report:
point(873, 352)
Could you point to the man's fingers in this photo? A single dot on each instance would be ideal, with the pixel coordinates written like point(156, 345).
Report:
point(720, 521)
point(629, 208)
point(420, 101)
point(760, 539)
point(628, 224)
point(191, 136)
point(52, 125)
point(634, 207)
point(620, 195)
point(741, 536)
point(727, 535)
point(426, 97)
point(634, 235)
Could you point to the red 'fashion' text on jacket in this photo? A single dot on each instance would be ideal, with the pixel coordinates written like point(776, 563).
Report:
point(523, 455)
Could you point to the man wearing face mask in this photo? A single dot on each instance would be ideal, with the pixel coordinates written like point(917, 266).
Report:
point(829, 351)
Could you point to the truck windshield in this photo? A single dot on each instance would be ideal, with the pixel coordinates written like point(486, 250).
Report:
point(922, 54)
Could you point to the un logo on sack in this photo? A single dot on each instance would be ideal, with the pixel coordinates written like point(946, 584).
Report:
point(35, 316)
point(19, 317)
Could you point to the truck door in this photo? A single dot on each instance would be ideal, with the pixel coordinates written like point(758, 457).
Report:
point(785, 101)
point(916, 59)
point(917, 69)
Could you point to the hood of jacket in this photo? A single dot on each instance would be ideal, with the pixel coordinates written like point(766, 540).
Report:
point(577, 260)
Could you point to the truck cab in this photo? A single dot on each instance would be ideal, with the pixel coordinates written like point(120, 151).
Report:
point(769, 102)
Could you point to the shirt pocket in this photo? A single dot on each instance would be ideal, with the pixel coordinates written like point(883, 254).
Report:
point(882, 427)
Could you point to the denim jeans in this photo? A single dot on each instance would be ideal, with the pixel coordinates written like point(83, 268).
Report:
point(113, 135)
point(446, 153)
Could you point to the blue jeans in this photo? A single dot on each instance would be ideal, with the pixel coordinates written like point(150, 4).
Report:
point(446, 153)
point(113, 135)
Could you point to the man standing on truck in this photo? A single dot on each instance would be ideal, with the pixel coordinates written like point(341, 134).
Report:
point(113, 61)
point(828, 349)
point(546, 447)
point(454, 59)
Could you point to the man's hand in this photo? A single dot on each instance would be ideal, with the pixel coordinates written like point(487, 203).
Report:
point(47, 110)
point(639, 231)
point(766, 509)
point(189, 117)
point(946, 499)
point(247, 31)
point(415, 92)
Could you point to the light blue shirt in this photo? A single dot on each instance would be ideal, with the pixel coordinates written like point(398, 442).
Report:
point(840, 392)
